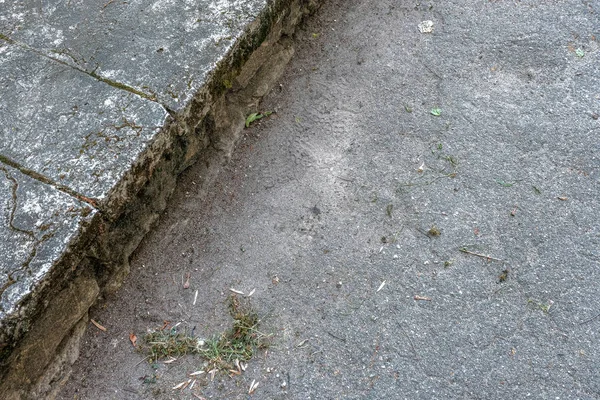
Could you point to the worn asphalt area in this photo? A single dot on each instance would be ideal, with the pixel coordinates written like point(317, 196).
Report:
point(327, 207)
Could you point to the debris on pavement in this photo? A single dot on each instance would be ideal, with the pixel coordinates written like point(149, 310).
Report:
point(97, 325)
point(465, 250)
point(253, 386)
point(426, 26)
point(133, 339)
point(423, 298)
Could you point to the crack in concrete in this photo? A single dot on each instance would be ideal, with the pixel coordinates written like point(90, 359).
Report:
point(118, 85)
point(44, 179)
point(31, 234)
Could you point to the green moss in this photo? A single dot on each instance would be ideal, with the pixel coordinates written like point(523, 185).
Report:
point(6, 38)
point(122, 86)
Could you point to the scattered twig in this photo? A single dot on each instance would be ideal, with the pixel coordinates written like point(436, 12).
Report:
point(195, 298)
point(179, 386)
point(344, 178)
point(336, 337)
point(143, 359)
point(97, 325)
point(590, 320)
point(417, 297)
point(465, 250)
point(381, 286)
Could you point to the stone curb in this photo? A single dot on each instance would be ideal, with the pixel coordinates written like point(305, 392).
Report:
point(40, 339)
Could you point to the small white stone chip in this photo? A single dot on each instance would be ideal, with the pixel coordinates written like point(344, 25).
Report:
point(426, 26)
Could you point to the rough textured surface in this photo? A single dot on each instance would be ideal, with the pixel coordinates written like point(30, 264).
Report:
point(103, 106)
point(334, 196)
point(37, 225)
point(163, 49)
point(79, 132)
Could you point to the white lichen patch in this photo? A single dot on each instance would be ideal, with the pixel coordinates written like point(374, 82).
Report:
point(108, 73)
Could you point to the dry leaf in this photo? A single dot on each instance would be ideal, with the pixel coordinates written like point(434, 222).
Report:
point(179, 386)
point(170, 360)
point(253, 386)
point(563, 198)
point(275, 280)
point(236, 291)
point(196, 373)
point(133, 338)
point(97, 325)
point(212, 373)
point(251, 292)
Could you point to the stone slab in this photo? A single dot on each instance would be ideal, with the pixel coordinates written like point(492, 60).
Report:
point(69, 127)
point(37, 225)
point(164, 49)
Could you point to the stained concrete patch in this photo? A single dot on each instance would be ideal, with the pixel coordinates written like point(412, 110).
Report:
point(37, 225)
point(161, 48)
point(69, 127)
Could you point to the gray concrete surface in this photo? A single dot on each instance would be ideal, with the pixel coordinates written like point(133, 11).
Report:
point(39, 223)
point(326, 209)
point(103, 105)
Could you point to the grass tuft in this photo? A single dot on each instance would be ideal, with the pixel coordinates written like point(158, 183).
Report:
point(223, 352)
